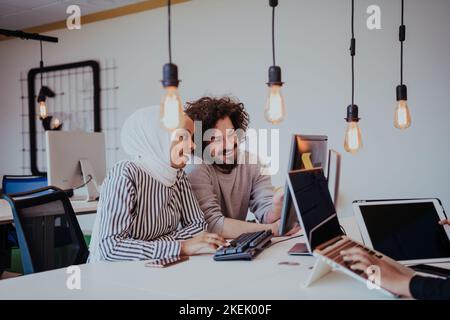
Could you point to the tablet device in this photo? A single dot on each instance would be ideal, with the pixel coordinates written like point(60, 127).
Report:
point(405, 230)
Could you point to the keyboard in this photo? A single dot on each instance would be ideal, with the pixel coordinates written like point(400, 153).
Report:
point(244, 247)
point(332, 250)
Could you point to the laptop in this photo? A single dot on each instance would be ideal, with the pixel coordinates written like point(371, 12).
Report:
point(313, 206)
point(324, 236)
point(406, 230)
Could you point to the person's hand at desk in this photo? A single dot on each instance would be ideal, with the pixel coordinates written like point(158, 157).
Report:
point(277, 204)
point(391, 278)
point(402, 282)
point(202, 242)
point(273, 216)
point(444, 222)
point(275, 227)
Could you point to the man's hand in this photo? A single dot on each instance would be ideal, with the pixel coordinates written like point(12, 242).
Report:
point(277, 205)
point(278, 197)
point(444, 222)
point(296, 228)
point(391, 278)
point(275, 228)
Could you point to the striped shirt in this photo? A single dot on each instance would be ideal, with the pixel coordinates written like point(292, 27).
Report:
point(139, 218)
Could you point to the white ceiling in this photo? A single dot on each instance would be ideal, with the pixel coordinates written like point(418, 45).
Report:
point(21, 14)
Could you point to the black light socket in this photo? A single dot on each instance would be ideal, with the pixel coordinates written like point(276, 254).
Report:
point(47, 92)
point(46, 122)
point(352, 113)
point(44, 93)
point(273, 3)
point(275, 76)
point(170, 75)
point(41, 98)
point(352, 47)
point(402, 92)
point(402, 33)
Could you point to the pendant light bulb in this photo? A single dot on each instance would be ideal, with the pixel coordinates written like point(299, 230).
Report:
point(171, 111)
point(275, 110)
point(43, 92)
point(402, 118)
point(56, 124)
point(41, 99)
point(353, 138)
point(43, 110)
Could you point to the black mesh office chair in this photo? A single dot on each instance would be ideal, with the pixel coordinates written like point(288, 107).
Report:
point(47, 229)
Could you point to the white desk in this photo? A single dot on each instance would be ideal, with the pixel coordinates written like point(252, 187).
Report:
point(79, 207)
point(198, 278)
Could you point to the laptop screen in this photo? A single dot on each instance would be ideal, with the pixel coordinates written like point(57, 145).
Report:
point(314, 206)
point(406, 231)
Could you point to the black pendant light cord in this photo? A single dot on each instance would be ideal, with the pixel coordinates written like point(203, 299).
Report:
point(273, 35)
point(169, 30)
point(274, 70)
point(402, 38)
point(170, 70)
point(352, 51)
point(352, 109)
point(41, 63)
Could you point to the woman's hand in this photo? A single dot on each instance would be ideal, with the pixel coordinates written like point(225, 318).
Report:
point(391, 278)
point(444, 222)
point(201, 241)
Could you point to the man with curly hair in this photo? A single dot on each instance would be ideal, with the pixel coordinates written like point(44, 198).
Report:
point(226, 188)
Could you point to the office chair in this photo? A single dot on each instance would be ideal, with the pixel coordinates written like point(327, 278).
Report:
point(20, 183)
point(47, 229)
point(16, 184)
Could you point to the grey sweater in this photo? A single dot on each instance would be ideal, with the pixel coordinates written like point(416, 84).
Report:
point(230, 195)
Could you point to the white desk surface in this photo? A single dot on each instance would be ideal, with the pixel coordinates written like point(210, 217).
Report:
point(80, 207)
point(198, 278)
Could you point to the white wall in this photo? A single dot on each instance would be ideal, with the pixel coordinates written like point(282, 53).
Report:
point(223, 46)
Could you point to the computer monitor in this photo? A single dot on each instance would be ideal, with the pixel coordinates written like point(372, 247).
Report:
point(307, 152)
point(76, 159)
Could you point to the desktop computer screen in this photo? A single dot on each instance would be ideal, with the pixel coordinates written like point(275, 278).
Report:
point(76, 158)
point(307, 152)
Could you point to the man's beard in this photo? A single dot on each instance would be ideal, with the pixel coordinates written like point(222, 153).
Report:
point(227, 167)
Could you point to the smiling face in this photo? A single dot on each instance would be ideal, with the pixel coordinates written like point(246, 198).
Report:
point(182, 144)
point(224, 122)
point(223, 143)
